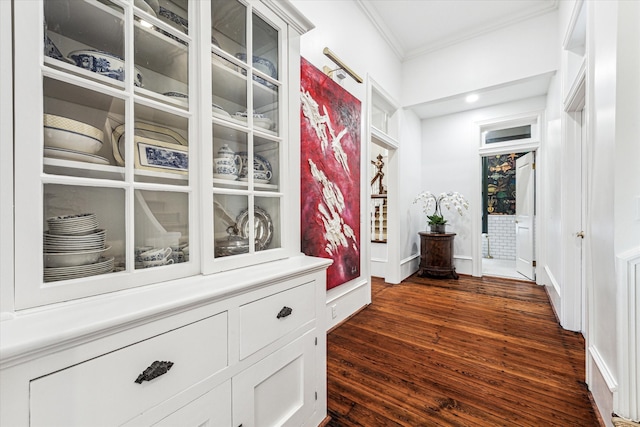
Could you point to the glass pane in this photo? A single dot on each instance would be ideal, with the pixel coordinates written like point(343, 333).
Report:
point(265, 102)
point(160, 147)
point(230, 225)
point(265, 47)
point(228, 144)
point(228, 27)
point(173, 13)
point(84, 231)
point(379, 118)
point(162, 62)
point(75, 42)
point(508, 134)
point(266, 166)
point(229, 90)
point(266, 222)
point(161, 228)
point(77, 131)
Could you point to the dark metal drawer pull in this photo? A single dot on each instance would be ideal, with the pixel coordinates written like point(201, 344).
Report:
point(285, 312)
point(156, 369)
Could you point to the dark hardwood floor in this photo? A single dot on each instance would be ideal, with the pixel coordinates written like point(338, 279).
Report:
point(467, 352)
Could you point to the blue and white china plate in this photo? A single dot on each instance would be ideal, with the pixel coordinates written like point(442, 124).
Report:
point(103, 63)
point(146, 130)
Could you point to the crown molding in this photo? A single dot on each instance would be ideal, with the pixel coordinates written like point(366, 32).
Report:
point(404, 55)
point(381, 27)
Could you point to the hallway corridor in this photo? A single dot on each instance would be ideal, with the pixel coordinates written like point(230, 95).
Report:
point(467, 352)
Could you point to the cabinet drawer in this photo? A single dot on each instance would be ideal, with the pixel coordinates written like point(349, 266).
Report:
point(104, 391)
point(265, 320)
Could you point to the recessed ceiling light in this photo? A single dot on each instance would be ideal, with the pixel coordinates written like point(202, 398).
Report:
point(472, 98)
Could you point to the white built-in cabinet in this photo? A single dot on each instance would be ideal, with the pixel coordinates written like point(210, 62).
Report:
point(162, 124)
point(156, 277)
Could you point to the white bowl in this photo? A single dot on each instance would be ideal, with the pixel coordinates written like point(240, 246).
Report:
point(70, 259)
point(103, 63)
point(60, 138)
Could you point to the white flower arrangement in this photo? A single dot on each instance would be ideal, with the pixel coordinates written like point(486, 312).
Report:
point(432, 205)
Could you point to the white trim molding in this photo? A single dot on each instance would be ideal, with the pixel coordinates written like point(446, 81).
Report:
point(626, 401)
point(604, 370)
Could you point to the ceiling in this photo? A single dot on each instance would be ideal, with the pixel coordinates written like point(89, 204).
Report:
point(416, 27)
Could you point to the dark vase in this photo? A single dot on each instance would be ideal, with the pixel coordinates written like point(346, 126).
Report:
point(437, 228)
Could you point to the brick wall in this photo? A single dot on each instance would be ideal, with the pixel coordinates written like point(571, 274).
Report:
point(502, 237)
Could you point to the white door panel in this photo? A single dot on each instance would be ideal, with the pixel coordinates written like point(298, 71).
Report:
point(525, 213)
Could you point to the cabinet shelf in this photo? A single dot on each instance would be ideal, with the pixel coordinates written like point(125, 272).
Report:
point(243, 184)
point(82, 169)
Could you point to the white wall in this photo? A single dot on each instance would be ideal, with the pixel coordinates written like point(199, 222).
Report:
point(411, 167)
point(551, 207)
point(341, 26)
point(520, 51)
point(450, 162)
point(613, 224)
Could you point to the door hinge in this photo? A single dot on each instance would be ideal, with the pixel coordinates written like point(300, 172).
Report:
point(533, 166)
point(316, 395)
point(534, 263)
point(316, 340)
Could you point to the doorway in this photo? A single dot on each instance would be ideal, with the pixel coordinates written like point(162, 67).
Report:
point(508, 214)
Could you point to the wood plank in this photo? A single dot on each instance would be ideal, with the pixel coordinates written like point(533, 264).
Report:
point(467, 352)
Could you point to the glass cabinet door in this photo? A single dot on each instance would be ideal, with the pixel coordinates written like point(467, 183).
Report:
point(114, 131)
point(246, 143)
point(151, 140)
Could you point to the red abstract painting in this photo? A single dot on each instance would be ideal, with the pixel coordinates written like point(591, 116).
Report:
point(330, 174)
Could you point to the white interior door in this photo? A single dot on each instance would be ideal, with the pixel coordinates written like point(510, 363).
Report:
point(525, 211)
point(583, 218)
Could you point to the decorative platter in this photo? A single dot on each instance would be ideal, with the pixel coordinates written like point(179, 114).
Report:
point(146, 130)
point(263, 226)
point(259, 164)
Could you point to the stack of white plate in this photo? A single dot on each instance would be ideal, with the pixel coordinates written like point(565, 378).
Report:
point(73, 247)
point(70, 139)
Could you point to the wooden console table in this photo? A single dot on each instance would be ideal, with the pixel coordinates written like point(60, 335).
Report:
point(436, 255)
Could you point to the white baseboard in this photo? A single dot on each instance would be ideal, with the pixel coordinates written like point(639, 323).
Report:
point(602, 385)
point(463, 264)
point(345, 300)
point(378, 267)
point(409, 265)
point(553, 290)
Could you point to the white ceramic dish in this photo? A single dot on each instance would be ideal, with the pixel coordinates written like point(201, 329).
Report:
point(228, 177)
point(60, 138)
point(257, 181)
point(145, 6)
point(64, 154)
point(219, 112)
point(72, 230)
point(53, 274)
point(73, 224)
point(69, 259)
point(75, 219)
point(71, 125)
point(263, 123)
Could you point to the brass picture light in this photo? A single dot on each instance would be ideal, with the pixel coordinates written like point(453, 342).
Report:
point(342, 66)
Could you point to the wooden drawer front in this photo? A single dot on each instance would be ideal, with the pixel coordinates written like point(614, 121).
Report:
point(259, 322)
point(103, 391)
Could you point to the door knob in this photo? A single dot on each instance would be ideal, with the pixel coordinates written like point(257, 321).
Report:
point(580, 234)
